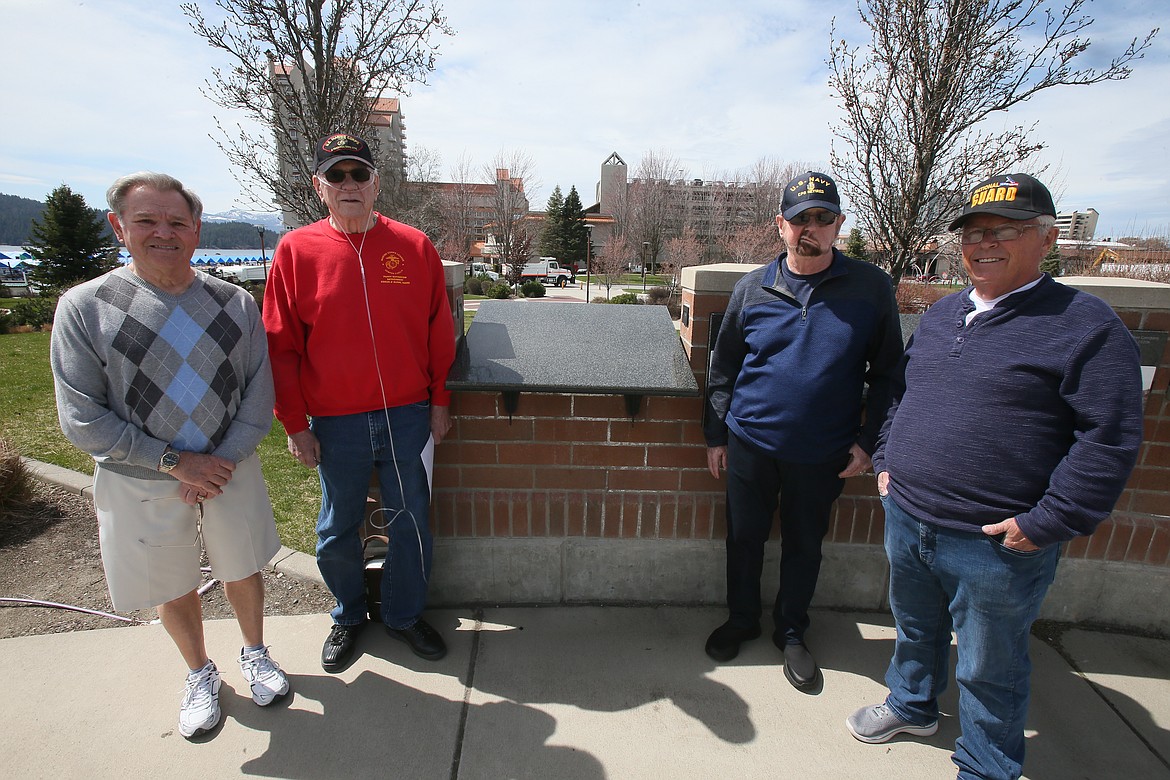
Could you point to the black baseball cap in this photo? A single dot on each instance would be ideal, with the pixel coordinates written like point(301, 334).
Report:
point(810, 190)
point(334, 148)
point(1011, 195)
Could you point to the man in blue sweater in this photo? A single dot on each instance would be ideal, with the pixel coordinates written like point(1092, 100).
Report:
point(1017, 427)
point(800, 338)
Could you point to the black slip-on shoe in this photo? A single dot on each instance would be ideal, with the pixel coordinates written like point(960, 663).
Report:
point(424, 641)
point(338, 647)
point(723, 644)
point(799, 666)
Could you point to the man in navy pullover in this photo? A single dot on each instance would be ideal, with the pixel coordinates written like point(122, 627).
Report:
point(1017, 427)
point(800, 339)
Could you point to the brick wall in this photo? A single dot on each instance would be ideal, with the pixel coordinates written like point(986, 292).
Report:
point(575, 466)
point(570, 500)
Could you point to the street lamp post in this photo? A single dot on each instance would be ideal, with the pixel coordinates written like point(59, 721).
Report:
point(263, 256)
point(588, 259)
point(645, 246)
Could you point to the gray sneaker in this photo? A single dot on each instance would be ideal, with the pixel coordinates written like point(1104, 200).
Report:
point(879, 723)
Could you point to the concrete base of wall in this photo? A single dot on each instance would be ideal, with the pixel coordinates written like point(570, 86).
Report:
point(600, 571)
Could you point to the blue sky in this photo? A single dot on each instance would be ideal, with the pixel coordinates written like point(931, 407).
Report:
point(95, 89)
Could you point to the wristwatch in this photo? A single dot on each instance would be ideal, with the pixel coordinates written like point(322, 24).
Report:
point(168, 461)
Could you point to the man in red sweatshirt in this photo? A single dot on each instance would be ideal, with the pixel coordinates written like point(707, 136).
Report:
point(361, 338)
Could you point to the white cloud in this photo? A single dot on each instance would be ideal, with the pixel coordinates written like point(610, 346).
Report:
point(94, 90)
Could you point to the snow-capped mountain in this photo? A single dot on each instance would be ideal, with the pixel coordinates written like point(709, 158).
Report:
point(265, 220)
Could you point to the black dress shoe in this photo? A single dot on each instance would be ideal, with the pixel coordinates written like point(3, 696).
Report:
point(339, 646)
point(799, 666)
point(724, 642)
point(423, 640)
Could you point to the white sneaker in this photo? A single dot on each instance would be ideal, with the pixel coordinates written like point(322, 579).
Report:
point(199, 711)
point(264, 675)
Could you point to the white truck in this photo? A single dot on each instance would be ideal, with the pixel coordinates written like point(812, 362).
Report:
point(482, 269)
point(547, 271)
point(242, 274)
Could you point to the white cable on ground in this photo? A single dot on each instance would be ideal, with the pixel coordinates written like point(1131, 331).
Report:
point(99, 613)
point(8, 600)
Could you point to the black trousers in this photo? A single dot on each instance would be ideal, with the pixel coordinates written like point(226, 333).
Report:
point(804, 492)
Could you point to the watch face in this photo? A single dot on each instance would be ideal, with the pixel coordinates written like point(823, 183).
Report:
point(169, 461)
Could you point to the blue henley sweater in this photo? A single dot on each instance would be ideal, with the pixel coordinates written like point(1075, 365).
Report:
point(789, 379)
point(1032, 411)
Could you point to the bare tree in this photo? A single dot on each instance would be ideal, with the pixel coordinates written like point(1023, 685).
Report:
point(346, 53)
point(611, 262)
point(915, 95)
point(679, 253)
point(649, 216)
point(454, 202)
point(419, 205)
point(509, 205)
point(753, 243)
point(522, 242)
point(765, 180)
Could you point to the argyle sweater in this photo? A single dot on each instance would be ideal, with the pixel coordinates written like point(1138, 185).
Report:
point(137, 369)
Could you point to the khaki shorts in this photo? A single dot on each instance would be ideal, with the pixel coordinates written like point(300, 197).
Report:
point(151, 540)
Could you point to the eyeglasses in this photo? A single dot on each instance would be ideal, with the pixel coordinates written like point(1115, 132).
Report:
point(1001, 233)
point(361, 175)
point(822, 218)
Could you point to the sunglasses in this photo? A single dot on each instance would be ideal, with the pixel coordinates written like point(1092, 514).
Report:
point(360, 174)
point(806, 217)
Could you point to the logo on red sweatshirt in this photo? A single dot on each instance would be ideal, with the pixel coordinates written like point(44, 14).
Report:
point(394, 269)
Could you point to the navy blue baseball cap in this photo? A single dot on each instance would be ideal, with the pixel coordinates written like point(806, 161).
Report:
point(1011, 195)
point(810, 190)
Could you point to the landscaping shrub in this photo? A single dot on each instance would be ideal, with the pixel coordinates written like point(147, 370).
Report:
point(658, 295)
point(915, 297)
point(532, 289)
point(498, 290)
point(15, 481)
point(473, 285)
point(34, 312)
point(624, 298)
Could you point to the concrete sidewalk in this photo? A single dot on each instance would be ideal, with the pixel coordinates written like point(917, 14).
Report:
point(565, 692)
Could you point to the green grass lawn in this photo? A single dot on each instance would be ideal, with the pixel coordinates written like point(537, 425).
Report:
point(28, 420)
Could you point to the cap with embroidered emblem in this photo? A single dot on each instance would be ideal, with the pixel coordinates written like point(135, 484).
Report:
point(1011, 195)
point(334, 148)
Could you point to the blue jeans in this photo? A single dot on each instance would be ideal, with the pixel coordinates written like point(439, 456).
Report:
point(352, 446)
point(804, 492)
point(942, 579)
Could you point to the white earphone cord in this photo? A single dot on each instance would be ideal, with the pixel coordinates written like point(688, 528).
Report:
point(385, 403)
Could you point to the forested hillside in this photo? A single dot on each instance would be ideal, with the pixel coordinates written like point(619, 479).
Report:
point(17, 215)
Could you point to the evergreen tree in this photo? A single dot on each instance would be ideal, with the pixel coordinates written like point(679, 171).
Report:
point(573, 230)
point(1051, 262)
point(552, 242)
point(70, 241)
point(855, 247)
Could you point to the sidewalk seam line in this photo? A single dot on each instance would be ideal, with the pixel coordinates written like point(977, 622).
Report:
point(467, 689)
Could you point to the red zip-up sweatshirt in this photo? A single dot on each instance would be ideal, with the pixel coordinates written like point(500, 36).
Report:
point(329, 334)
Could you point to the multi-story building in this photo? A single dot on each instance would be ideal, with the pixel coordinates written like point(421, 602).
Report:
point(385, 132)
point(470, 211)
point(712, 208)
point(1077, 225)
